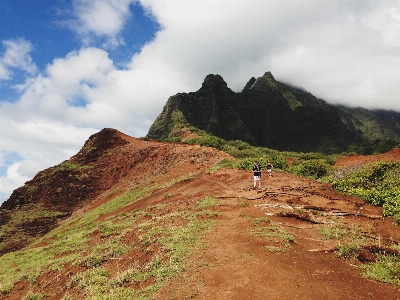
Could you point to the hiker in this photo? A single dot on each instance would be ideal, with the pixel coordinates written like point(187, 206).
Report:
point(269, 168)
point(257, 175)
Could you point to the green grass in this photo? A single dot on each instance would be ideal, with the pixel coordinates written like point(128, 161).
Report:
point(279, 237)
point(377, 183)
point(350, 242)
point(168, 239)
point(207, 202)
point(339, 232)
point(350, 250)
point(348, 237)
point(385, 269)
point(70, 166)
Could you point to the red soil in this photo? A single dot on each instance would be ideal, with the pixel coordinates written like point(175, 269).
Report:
point(237, 265)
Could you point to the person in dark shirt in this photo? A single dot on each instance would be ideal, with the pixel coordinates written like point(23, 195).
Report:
point(256, 175)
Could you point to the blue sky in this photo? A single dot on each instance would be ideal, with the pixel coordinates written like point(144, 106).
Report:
point(69, 68)
point(47, 28)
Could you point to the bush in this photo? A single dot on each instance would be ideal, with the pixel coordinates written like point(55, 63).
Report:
point(207, 141)
point(377, 183)
point(246, 164)
point(391, 205)
point(240, 145)
point(244, 153)
point(316, 168)
point(278, 161)
point(173, 139)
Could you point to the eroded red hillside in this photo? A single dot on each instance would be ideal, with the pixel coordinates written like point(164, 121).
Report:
point(108, 160)
point(234, 263)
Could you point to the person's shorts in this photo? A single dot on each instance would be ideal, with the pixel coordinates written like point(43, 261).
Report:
point(257, 177)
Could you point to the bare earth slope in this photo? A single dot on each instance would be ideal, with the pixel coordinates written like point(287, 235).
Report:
point(287, 258)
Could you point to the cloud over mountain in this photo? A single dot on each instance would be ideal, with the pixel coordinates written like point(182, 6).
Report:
point(342, 51)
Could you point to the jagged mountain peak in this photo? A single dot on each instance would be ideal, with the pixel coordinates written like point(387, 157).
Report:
point(268, 75)
point(214, 83)
point(272, 114)
point(264, 82)
point(249, 84)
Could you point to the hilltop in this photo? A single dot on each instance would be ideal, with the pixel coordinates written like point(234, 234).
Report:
point(275, 115)
point(131, 218)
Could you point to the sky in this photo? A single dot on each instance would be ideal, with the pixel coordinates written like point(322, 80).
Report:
point(69, 68)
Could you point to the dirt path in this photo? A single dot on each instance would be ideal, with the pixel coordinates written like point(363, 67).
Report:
point(265, 244)
point(236, 264)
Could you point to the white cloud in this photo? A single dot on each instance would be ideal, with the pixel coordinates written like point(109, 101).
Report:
point(16, 56)
point(341, 51)
point(12, 180)
point(350, 60)
point(101, 18)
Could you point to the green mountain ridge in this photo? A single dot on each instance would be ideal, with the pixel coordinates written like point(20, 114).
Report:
point(272, 114)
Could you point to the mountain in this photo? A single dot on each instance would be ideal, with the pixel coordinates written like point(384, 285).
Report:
point(127, 218)
point(271, 114)
point(105, 162)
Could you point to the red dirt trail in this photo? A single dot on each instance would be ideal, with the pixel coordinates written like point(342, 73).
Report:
point(234, 263)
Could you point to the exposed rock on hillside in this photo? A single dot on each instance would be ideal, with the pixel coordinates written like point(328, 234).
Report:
point(108, 159)
point(169, 229)
point(210, 108)
point(68, 185)
point(275, 115)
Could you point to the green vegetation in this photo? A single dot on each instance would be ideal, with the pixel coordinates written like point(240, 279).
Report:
point(385, 269)
point(339, 232)
point(315, 168)
point(377, 183)
point(69, 166)
point(207, 202)
point(165, 236)
point(350, 241)
point(315, 165)
point(278, 238)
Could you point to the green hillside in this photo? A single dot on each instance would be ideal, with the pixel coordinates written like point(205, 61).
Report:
point(271, 114)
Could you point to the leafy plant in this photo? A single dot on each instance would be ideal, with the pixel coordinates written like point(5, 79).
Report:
point(377, 183)
point(316, 168)
point(207, 140)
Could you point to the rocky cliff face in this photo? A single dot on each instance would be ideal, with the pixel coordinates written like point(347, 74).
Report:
point(211, 108)
point(109, 161)
point(275, 115)
point(72, 183)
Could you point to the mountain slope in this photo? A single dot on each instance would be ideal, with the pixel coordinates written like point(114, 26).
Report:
point(157, 224)
point(107, 161)
point(210, 108)
point(275, 115)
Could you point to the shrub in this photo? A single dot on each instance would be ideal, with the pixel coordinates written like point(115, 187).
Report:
point(377, 183)
point(246, 164)
point(240, 145)
point(208, 141)
point(315, 168)
point(279, 161)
